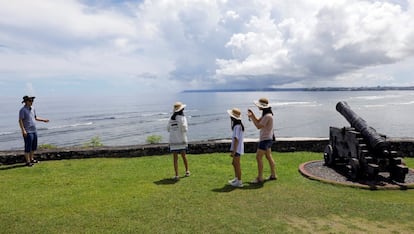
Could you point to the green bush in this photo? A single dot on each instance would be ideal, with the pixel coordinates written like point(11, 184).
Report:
point(47, 146)
point(94, 142)
point(154, 139)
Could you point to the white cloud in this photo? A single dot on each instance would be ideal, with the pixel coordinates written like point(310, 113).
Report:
point(202, 43)
point(332, 41)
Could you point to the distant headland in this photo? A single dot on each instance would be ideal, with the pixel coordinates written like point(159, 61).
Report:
point(312, 89)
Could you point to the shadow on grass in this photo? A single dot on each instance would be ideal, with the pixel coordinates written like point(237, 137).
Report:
point(225, 189)
point(9, 167)
point(166, 181)
point(228, 188)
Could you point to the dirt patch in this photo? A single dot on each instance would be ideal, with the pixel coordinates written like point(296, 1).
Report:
point(336, 224)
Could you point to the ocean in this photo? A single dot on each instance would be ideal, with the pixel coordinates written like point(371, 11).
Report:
point(130, 119)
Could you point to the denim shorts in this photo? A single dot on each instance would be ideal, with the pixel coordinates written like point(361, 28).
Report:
point(179, 150)
point(30, 142)
point(266, 144)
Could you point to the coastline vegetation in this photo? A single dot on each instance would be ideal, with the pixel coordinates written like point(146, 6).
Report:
point(154, 139)
point(94, 142)
point(47, 146)
point(136, 195)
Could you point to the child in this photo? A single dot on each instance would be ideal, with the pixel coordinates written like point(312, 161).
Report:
point(237, 145)
point(177, 127)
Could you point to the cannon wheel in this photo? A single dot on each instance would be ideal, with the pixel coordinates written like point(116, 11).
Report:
point(328, 156)
point(354, 169)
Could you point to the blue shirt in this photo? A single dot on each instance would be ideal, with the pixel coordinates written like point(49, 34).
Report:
point(28, 115)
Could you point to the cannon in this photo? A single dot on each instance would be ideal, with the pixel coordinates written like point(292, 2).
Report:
point(362, 151)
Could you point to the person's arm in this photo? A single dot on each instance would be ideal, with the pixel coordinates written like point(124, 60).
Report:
point(41, 119)
point(253, 118)
point(235, 145)
point(24, 133)
point(184, 124)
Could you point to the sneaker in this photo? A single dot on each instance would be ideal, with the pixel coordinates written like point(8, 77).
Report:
point(35, 161)
point(237, 183)
point(233, 180)
point(176, 178)
point(187, 173)
point(29, 164)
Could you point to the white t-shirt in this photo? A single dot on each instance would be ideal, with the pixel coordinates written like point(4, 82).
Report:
point(237, 133)
point(178, 133)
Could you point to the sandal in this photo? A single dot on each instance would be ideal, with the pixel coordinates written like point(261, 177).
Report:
point(272, 178)
point(256, 181)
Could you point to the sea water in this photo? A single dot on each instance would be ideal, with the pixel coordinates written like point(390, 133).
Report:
point(130, 119)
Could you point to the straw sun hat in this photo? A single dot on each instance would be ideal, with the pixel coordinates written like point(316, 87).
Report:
point(235, 113)
point(178, 106)
point(262, 103)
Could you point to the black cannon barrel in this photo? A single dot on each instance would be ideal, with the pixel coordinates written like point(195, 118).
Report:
point(374, 140)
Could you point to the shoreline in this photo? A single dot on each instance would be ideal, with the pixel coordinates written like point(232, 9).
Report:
point(405, 147)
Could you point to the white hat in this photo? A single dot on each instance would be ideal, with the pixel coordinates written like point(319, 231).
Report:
point(262, 103)
point(178, 106)
point(235, 113)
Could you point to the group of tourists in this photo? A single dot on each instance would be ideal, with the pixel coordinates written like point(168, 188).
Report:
point(178, 141)
point(178, 127)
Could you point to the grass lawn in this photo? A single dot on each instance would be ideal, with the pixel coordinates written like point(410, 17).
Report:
point(135, 195)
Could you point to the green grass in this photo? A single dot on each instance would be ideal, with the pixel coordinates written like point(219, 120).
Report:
point(135, 195)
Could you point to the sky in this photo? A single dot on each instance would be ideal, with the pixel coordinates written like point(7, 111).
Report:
point(61, 47)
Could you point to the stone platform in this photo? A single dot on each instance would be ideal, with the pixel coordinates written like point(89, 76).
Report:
point(316, 170)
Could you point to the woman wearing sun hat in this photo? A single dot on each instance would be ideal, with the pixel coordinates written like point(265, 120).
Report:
point(177, 127)
point(265, 124)
point(237, 145)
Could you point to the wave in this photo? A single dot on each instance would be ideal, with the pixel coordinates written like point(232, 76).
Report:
point(6, 133)
point(405, 103)
point(284, 104)
point(376, 97)
point(123, 115)
point(66, 126)
point(374, 106)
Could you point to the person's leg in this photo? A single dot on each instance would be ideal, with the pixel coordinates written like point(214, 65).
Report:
point(33, 146)
point(233, 162)
point(31, 156)
point(175, 154)
point(184, 156)
point(271, 162)
point(27, 157)
point(259, 159)
point(28, 149)
point(237, 168)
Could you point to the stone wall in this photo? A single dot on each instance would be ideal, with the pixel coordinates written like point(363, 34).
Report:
point(405, 146)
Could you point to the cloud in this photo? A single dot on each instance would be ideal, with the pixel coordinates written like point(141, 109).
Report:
point(335, 40)
point(198, 44)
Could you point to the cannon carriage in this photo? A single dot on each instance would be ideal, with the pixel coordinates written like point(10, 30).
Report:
point(362, 151)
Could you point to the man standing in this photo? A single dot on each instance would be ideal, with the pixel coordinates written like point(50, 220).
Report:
point(27, 117)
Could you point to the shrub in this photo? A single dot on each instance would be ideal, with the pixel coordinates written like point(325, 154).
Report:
point(94, 142)
point(154, 139)
point(47, 146)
